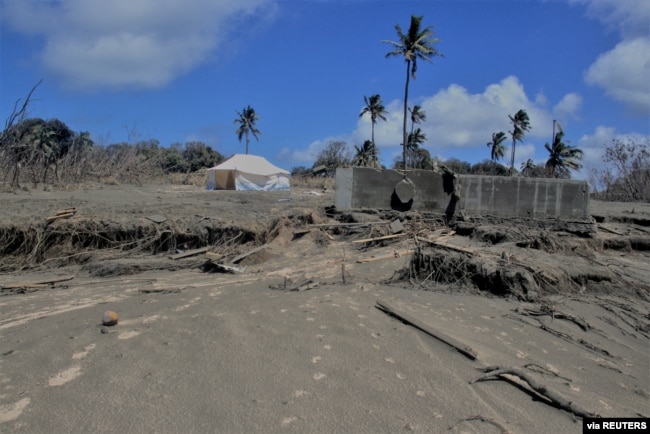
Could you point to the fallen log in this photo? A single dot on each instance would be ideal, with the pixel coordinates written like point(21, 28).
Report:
point(550, 394)
point(407, 319)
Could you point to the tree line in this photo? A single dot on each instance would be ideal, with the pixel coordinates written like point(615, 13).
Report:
point(47, 151)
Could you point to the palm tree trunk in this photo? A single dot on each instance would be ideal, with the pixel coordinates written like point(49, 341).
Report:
point(512, 158)
point(373, 133)
point(246, 142)
point(406, 96)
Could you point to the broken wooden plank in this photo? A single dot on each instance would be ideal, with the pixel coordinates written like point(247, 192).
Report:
point(250, 252)
point(440, 242)
point(385, 237)
point(189, 253)
point(66, 211)
point(214, 256)
point(452, 342)
point(395, 254)
point(59, 216)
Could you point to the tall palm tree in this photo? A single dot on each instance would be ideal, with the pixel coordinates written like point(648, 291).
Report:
point(497, 151)
point(366, 156)
point(376, 108)
point(246, 120)
point(417, 44)
point(417, 116)
point(562, 157)
point(520, 126)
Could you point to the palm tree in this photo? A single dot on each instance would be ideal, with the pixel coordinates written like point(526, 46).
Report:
point(562, 157)
point(366, 156)
point(416, 44)
point(520, 126)
point(414, 140)
point(498, 150)
point(376, 109)
point(417, 116)
point(247, 119)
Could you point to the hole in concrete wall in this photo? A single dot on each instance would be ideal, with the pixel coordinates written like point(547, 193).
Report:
point(397, 204)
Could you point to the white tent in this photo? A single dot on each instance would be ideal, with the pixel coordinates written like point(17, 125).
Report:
point(247, 172)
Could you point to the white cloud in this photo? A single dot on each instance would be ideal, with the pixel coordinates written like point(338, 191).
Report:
point(629, 17)
point(117, 43)
point(568, 106)
point(623, 73)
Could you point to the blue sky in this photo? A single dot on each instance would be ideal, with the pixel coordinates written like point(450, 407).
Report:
point(178, 71)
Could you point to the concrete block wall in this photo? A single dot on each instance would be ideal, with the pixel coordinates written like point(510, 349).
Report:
point(360, 187)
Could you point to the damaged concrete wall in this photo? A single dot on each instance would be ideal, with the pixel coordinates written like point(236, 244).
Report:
point(359, 187)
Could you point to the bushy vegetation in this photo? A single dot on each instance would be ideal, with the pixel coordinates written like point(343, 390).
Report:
point(625, 174)
point(35, 152)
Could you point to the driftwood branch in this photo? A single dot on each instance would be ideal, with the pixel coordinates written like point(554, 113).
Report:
point(556, 314)
point(458, 346)
point(550, 394)
point(480, 418)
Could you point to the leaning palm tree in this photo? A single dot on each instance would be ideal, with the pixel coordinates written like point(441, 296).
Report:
point(520, 126)
point(376, 109)
point(366, 156)
point(246, 120)
point(417, 116)
point(562, 157)
point(497, 151)
point(417, 44)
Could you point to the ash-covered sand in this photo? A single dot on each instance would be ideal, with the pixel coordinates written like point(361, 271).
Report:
point(218, 352)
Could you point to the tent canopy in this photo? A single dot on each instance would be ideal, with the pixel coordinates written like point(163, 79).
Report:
point(247, 172)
